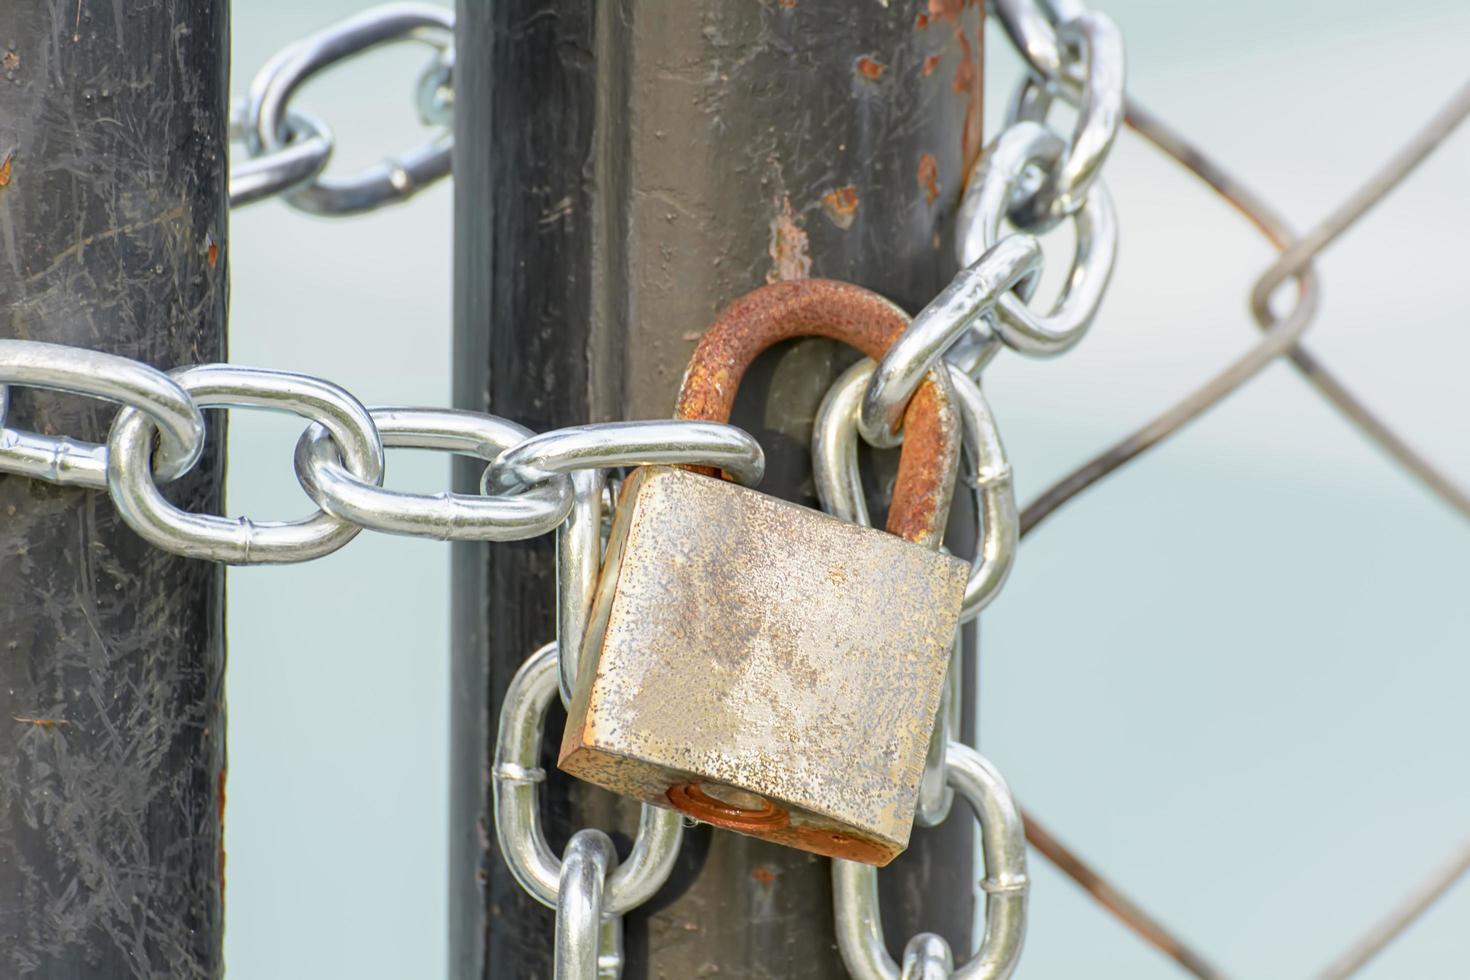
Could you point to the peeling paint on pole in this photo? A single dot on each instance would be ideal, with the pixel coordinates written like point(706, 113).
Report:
point(790, 246)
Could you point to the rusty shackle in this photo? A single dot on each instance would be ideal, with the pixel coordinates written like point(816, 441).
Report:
point(840, 311)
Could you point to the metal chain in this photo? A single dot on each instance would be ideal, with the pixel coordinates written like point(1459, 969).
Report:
point(839, 483)
point(1033, 176)
point(534, 484)
point(587, 884)
point(289, 150)
point(1003, 844)
point(338, 459)
point(839, 488)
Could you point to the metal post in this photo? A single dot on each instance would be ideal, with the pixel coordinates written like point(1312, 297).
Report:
point(622, 171)
point(112, 231)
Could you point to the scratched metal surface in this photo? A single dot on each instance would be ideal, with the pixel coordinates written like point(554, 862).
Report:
point(746, 641)
point(112, 231)
point(679, 155)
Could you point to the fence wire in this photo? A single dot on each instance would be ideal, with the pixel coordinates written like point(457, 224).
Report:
point(1282, 336)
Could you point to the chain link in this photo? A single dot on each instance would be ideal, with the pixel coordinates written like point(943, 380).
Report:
point(241, 541)
point(839, 482)
point(608, 444)
point(1092, 43)
point(1003, 845)
point(540, 509)
point(581, 920)
point(68, 462)
point(588, 886)
point(308, 147)
point(935, 794)
point(927, 957)
point(559, 481)
point(1034, 176)
point(579, 544)
point(289, 150)
point(1013, 263)
point(1030, 176)
point(999, 176)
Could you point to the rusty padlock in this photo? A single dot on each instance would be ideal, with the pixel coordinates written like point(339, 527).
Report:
point(759, 665)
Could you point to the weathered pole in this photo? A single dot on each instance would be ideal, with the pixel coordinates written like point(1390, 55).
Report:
point(112, 229)
point(622, 171)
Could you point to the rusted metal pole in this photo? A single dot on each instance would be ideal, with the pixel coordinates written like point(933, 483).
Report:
point(112, 230)
point(623, 170)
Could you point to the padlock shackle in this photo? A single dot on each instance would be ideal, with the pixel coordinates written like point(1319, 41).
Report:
point(860, 318)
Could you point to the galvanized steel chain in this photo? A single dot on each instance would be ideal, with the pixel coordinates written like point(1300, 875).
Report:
point(1003, 846)
point(532, 485)
point(1031, 175)
point(589, 888)
point(536, 484)
point(339, 459)
point(289, 149)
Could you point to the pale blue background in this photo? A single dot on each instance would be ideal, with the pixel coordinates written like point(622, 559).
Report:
point(1234, 676)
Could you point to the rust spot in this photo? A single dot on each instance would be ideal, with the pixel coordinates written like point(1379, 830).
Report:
point(929, 176)
point(11, 61)
point(5, 166)
point(870, 69)
point(763, 874)
point(931, 63)
point(220, 797)
point(786, 4)
point(968, 75)
point(693, 800)
point(841, 206)
point(790, 247)
point(853, 315)
point(211, 250)
point(964, 72)
point(949, 10)
point(921, 21)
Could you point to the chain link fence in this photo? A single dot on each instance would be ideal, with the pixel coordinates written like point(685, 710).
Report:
point(1285, 301)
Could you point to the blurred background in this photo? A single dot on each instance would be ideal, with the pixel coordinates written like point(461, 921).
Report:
point(1233, 676)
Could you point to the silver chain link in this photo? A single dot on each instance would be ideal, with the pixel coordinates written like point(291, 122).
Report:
point(289, 150)
point(1030, 175)
point(1003, 845)
point(540, 509)
point(1033, 176)
point(622, 886)
point(338, 459)
point(67, 462)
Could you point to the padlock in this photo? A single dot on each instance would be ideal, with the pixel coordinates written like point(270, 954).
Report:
point(758, 665)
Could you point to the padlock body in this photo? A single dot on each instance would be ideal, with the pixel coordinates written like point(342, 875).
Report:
point(763, 666)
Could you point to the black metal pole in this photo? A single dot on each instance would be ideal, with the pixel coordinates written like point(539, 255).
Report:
point(112, 229)
point(622, 171)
